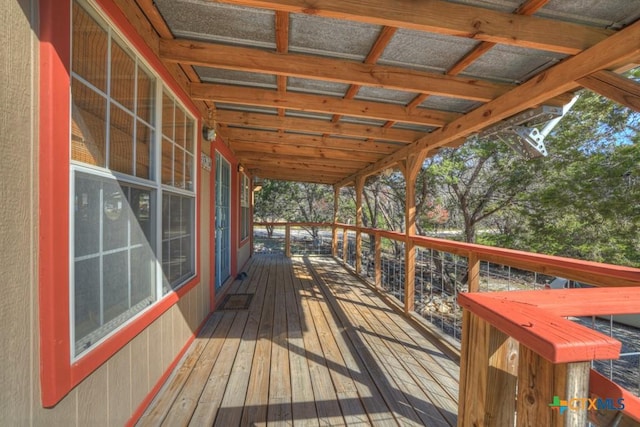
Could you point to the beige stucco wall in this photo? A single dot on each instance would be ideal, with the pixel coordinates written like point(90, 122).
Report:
point(113, 392)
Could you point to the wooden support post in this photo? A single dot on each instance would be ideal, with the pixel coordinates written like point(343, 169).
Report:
point(474, 272)
point(345, 245)
point(539, 381)
point(488, 375)
point(410, 168)
point(359, 189)
point(287, 241)
point(334, 228)
point(378, 261)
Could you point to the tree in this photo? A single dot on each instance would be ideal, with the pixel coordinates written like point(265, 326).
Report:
point(274, 202)
point(480, 179)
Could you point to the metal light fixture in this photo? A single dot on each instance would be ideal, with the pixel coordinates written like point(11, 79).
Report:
point(521, 133)
point(209, 134)
point(257, 184)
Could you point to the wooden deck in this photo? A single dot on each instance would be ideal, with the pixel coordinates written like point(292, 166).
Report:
point(315, 347)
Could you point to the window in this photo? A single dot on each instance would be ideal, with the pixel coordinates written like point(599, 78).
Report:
point(244, 207)
point(132, 185)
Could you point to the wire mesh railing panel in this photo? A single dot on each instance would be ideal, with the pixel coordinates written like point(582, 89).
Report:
point(268, 240)
point(310, 240)
point(367, 258)
point(351, 250)
point(497, 277)
point(392, 268)
point(440, 276)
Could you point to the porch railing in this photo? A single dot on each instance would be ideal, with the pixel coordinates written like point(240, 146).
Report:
point(446, 273)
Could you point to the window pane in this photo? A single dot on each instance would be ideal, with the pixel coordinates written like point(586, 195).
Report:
point(142, 205)
point(188, 170)
point(89, 55)
point(123, 69)
point(88, 125)
point(167, 116)
point(177, 236)
point(189, 135)
point(121, 141)
point(180, 126)
point(167, 162)
point(86, 216)
point(86, 298)
point(144, 141)
point(178, 168)
point(115, 216)
point(142, 275)
point(115, 284)
point(146, 95)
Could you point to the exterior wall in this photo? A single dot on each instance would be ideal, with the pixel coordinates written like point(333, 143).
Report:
point(244, 252)
point(118, 387)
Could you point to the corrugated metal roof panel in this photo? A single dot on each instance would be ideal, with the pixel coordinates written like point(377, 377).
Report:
point(425, 51)
point(246, 108)
point(608, 14)
point(511, 64)
point(331, 37)
point(296, 84)
point(456, 105)
point(308, 115)
point(410, 126)
point(243, 78)
point(385, 95)
point(362, 121)
point(205, 20)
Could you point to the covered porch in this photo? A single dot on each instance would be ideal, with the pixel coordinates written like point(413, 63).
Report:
point(315, 346)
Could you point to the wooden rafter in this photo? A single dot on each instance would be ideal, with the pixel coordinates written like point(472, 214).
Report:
point(451, 19)
point(258, 120)
point(620, 47)
point(302, 150)
point(319, 104)
point(282, 46)
point(328, 69)
point(614, 86)
point(318, 141)
point(312, 164)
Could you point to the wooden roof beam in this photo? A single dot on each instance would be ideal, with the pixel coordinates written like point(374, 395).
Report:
point(318, 141)
point(319, 104)
point(302, 150)
point(450, 19)
point(624, 46)
point(302, 159)
point(217, 55)
point(259, 120)
point(614, 86)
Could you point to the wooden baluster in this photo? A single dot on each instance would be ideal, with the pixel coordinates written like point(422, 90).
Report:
point(287, 241)
point(488, 375)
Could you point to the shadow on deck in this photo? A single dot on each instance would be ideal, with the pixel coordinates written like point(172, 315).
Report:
point(315, 347)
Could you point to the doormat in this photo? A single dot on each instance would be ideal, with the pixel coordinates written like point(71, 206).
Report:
point(236, 302)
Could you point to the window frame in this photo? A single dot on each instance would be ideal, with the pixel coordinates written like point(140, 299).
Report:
point(59, 372)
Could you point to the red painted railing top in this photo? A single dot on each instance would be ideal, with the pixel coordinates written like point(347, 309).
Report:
point(535, 319)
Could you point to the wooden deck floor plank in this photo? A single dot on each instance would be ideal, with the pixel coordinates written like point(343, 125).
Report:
point(316, 347)
point(327, 407)
point(387, 350)
point(162, 403)
point(416, 381)
point(385, 381)
point(233, 401)
point(303, 406)
point(349, 400)
point(213, 391)
point(280, 412)
point(186, 402)
point(375, 406)
point(257, 399)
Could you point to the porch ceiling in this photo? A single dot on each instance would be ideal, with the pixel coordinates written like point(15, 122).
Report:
point(321, 91)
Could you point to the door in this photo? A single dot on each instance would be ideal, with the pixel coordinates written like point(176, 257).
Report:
point(223, 220)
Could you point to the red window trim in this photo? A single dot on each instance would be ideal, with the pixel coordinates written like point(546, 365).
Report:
point(58, 376)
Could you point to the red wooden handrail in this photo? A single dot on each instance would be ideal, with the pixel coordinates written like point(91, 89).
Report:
point(536, 319)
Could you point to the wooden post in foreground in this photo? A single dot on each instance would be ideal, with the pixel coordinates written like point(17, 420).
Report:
point(287, 241)
point(359, 190)
point(334, 228)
